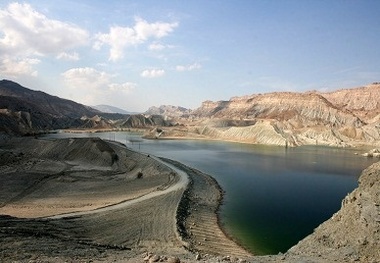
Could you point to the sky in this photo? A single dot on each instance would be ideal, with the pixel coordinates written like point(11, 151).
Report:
point(136, 54)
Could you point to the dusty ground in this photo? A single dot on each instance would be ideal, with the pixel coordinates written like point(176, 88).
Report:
point(53, 195)
point(86, 200)
point(45, 178)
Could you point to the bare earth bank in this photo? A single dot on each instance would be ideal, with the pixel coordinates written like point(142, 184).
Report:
point(53, 194)
point(87, 199)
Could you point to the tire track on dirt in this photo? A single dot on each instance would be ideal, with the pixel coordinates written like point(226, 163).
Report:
point(181, 183)
point(32, 188)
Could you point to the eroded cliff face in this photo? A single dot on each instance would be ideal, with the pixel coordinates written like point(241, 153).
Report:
point(341, 118)
point(364, 102)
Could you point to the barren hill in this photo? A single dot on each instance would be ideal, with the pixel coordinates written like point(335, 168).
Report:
point(364, 102)
point(25, 111)
point(341, 118)
point(299, 108)
point(142, 121)
point(41, 101)
point(168, 111)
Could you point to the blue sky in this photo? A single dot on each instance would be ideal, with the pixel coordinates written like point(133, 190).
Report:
point(137, 54)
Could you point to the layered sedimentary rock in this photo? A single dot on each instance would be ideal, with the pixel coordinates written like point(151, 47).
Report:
point(340, 118)
point(364, 102)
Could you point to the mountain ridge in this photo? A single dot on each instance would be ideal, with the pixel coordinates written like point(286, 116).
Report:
point(43, 100)
point(168, 111)
point(24, 111)
point(290, 118)
point(111, 109)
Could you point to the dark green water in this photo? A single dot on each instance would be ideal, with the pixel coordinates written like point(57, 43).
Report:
point(274, 196)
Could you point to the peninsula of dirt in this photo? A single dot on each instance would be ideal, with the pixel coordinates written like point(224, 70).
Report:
point(87, 199)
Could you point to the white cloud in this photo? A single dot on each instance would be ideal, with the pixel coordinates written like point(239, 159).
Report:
point(156, 46)
point(24, 32)
point(119, 38)
point(68, 56)
point(12, 68)
point(79, 78)
point(124, 87)
point(152, 73)
point(92, 86)
point(144, 30)
point(189, 67)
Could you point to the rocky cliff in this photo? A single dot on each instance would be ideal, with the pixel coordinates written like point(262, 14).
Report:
point(341, 118)
point(353, 233)
point(363, 102)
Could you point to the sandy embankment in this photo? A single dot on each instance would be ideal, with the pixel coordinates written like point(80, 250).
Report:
point(66, 191)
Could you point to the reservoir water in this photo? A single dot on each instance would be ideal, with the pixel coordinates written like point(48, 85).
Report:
point(274, 196)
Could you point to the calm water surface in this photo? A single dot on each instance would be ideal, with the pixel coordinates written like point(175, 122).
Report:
point(274, 196)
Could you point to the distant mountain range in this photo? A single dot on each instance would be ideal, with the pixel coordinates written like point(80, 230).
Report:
point(345, 117)
point(111, 109)
point(168, 111)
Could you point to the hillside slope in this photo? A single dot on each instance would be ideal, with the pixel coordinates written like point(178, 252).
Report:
point(351, 234)
point(364, 102)
point(341, 118)
point(42, 102)
point(25, 111)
